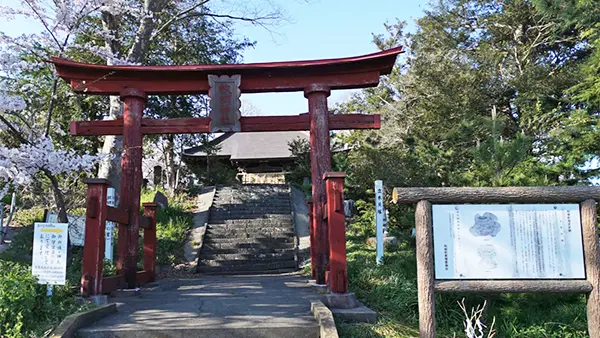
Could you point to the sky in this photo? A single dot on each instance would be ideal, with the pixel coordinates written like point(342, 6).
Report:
point(322, 29)
point(316, 29)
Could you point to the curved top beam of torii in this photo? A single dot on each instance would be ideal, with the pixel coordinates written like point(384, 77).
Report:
point(343, 73)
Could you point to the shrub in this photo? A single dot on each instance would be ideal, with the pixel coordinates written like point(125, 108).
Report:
point(19, 298)
point(24, 308)
point(363, 224)
point(27, 217)
point(172, 226)
point(21, 247)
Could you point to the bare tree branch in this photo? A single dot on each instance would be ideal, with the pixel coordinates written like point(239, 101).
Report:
point(177, 17)
point(58, 44)
point(144, 32)
point(13, 130)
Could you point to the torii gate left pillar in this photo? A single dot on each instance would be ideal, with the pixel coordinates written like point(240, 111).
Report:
point(131, 182)
point(320, 163)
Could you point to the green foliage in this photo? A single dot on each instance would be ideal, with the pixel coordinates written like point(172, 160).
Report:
point(24, 308)
point(520, 60)
point(172, 226)
point(300, 172)
point(391, 290)
point(363, 225)
point(26, 217)
point(212, 170)
point(21, 247)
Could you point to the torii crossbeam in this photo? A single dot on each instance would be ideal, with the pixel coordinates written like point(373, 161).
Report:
point(133, 83)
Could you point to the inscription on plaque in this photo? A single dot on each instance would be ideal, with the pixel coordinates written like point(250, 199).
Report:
point(225, 103)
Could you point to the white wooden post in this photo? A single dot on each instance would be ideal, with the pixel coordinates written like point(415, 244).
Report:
point(379, 214)
point(108, 237)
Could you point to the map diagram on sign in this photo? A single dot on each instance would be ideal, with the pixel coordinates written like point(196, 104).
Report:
point(507, 241)
point(486, 225)
point(487, 253)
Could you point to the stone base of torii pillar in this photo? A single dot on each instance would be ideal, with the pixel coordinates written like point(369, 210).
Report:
point(344, 306)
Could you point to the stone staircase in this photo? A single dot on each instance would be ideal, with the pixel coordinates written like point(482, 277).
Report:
point(250, 231)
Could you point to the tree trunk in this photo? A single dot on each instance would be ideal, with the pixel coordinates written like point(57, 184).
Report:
point(59, 198)
point(110, 167)
point(170, 163)
point(11, 212)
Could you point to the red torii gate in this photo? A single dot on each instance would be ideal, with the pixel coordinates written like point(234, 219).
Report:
point(134, 83)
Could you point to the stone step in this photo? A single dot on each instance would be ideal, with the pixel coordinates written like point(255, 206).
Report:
point(249, 235)
point(248, 251)
point(248, 257)
point(236, 246)
point(251, 196)
point(233, 271)
point(251, 231)
point(249, 222)
point(216, 331)
point(277, 201)
point(269, 241)
point(264, 209)
point(273, 214)
point(246, 265)
point(225, 217)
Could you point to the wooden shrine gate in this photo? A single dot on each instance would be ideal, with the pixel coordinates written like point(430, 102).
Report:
point(315, 78)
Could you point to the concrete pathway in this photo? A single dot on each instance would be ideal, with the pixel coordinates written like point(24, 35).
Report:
point(275, 306)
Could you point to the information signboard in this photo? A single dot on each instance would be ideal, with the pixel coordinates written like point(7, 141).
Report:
point(49, 262)
point(509, 241)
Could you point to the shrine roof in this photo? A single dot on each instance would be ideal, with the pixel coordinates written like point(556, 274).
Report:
point(341, 73)
point(252, 145)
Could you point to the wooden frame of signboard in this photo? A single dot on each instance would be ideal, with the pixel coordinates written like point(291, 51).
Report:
point(428, 285)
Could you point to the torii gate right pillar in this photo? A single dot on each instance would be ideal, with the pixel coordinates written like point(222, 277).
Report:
point(320, 163)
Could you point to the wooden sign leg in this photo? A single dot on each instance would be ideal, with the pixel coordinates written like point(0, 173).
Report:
point(425, 274)
point(320, 163)
point(592, 264)
point(131, 182)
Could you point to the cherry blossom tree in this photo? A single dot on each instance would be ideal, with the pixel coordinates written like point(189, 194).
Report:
point(37, 154)
point(97, 31)
point(114, 32)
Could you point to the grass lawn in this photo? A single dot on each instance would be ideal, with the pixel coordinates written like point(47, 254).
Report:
point(391, 290)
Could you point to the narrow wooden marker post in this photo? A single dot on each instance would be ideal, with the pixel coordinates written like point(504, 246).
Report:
point(379, 213)
point(426, 279)
point(338, 277)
